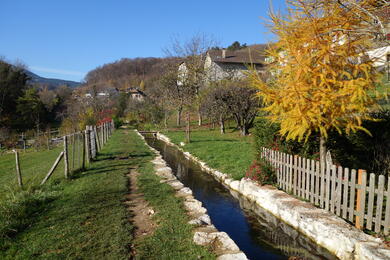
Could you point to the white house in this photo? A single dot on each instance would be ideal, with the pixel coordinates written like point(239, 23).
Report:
point(221, 64)
point(135, 93)
point(380, 54)
point(226, 64)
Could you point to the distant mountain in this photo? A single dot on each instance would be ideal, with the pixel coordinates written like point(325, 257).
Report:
point(50, 83)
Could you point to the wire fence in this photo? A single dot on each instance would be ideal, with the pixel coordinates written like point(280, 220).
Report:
point(75, 151)
point(37, 140)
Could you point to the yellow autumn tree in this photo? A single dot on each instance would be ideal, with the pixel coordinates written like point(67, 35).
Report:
point(321, 77)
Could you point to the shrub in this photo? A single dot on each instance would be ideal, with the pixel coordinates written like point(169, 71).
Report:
point(267, 135)
point(362, 151)
point(117, 122)
point(357, 150)
point(262, 172)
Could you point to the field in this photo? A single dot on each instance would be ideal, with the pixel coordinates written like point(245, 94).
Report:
point(85, 217)
point(230, 153)
point(34, 166)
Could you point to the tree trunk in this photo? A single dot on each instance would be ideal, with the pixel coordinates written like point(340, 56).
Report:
point(244, 130)
point(322, 152)
point(200, 119)
point(188, 130)
point(222, 125)
point(178, 120)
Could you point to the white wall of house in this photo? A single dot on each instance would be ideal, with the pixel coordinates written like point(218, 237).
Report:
point(182, 74)
point(379, 55)
point(218, 70)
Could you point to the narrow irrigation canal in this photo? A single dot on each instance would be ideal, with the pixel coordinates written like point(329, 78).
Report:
point(258, 233)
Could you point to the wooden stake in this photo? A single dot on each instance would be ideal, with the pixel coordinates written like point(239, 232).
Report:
point(73, 150)
point(97, 138)
point(78, 150)
point(102, 134)
point(83, 136)
point(18, 173)
point(87, 147)
point(66, 159)
point(53, 168)
point(359, 199)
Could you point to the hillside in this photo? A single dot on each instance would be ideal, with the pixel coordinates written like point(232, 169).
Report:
point(50, 83)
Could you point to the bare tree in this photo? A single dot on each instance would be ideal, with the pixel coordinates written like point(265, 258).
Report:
point(215, 105)
point(241, 102)
point(192, 71)
point(374, 14)
point(178, 95)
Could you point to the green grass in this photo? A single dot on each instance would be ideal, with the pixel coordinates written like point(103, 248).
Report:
point(173, 237)
point(230, 153)
point(34, 166)
point(87, 218)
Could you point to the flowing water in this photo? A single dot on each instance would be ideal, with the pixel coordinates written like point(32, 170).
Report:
point(258, 233)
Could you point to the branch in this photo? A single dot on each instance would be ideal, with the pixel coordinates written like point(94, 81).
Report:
point(363, 10)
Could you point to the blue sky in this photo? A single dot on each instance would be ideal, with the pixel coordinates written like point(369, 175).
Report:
point(66, 39)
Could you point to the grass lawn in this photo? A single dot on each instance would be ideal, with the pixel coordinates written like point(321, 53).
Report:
point(173, 237)
point(85, 217)
point(230, 153)
point(34, 166)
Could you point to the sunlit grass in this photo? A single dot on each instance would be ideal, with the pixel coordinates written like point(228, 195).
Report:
point(34, 166)
point(173, 238)
point(230, 153)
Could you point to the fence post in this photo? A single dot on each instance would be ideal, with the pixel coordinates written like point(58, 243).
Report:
point(73, 136)
point(66, 159)
point(53, 168)
point(361, 199)
point(87, 146)
point(83, 151)
point(96, 129)
point(295, 174)
point(18, 173)
point(106, 130)
point(105, 133)
point(101, 135)
point(93, 142)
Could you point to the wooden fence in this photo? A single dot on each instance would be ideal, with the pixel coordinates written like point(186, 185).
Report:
point(345, 192)
point(78, 150)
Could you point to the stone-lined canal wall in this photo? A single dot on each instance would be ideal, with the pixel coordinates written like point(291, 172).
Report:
point(323, 227)
point(205, 234)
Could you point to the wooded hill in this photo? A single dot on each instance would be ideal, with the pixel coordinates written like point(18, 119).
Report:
point(50, 83)
point(126, 72)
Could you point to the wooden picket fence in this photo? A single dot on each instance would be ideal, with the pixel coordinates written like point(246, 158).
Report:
point(78, 150)
point(342, 191)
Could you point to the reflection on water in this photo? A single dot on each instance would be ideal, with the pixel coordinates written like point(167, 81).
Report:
point(258, 233)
